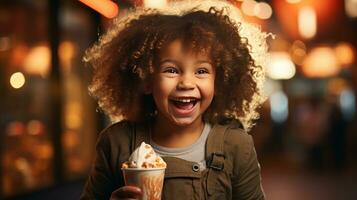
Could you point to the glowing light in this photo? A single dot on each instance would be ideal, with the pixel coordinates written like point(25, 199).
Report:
point(18, 54)
point(299, 44)
point(155, 3)
point(44, 151)
point(345, 53)
point(37, 61)
point(70, 139)
point(73, 113)
point(15, 128)
point(106, 8)
point(351, 8)
point(298, 52)
point(280, 66)
point(298, 56)
point(347, 103)
point(67, 50)
point(321, 62)
point(307, 22)
point(248, 7)
point(17, 80)
point(336, 85)
point(293, 1)
point(263, 10)
point(279, 106)
point(22, 164)
point(35, 127)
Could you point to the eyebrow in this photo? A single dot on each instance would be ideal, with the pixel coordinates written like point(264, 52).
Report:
point(168, 60)
point(178, 62)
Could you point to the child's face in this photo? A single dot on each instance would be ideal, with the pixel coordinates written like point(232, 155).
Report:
point(183, 84)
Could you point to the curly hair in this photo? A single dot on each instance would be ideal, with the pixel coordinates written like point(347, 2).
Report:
point(123, 66)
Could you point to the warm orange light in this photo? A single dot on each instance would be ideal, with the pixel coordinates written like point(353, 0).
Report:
point(73, 113)
point(321, 62)
point(17, 80)
point(44, 150)
point(307, 22)
point(298, 52)
point(107, 8)
point(67, 50)
point(280, 66)
point(351, 8)
point(263, 10)
point(35, 127)
point(345, 53)
point(293, 1)
point(70, 139)
point(329, 13)
point(248, 7)
point(336, 86)
point(38, 60)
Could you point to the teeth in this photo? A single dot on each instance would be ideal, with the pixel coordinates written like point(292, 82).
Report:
point(185, 100)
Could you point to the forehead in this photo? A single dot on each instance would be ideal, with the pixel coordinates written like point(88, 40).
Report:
point(177, 49)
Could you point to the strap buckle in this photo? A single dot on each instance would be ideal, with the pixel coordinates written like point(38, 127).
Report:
point(217, 161)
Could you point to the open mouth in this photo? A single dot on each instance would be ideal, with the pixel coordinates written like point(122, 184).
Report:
point(184, 103)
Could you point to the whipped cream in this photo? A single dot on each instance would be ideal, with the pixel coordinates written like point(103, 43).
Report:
point(144, 157)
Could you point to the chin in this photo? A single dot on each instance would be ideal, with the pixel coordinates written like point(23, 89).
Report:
point(183, 121)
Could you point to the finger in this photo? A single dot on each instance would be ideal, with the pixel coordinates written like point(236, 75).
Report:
point(127, 192)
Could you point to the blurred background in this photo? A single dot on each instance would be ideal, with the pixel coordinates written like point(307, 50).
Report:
point(306, 138)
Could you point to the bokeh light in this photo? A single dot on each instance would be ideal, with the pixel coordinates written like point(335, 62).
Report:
point(248, 7)
point(321, 62)
point(280, 66)
point(347, 103)
point(279, 106)
point(351, 8)
point(35, 127)
point(298, 52)
point(307, 22)
point(263, 10)
point(17, 80)
point(37, 61)
point(345, 53)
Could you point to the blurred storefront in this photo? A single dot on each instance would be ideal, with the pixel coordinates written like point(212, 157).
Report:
point(48, 122)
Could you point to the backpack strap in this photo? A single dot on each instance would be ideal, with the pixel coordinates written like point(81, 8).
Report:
point(215, 148)
point(215, 156)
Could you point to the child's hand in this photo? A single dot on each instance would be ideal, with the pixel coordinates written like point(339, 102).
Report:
point(126, 192)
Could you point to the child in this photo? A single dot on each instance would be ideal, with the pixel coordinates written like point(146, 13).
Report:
point(186, 79)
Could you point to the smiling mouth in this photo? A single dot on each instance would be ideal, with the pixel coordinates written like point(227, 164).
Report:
point(184, 103)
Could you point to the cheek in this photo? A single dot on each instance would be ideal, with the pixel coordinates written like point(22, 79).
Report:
point(162, 88)
point(209, 89)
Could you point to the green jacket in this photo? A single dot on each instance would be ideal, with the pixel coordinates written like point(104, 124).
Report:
point(233, 171)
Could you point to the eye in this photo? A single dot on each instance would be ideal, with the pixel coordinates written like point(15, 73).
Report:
point(170, 70)
point(202, 71)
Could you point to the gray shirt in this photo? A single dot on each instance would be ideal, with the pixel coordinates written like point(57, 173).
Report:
point(194, 153)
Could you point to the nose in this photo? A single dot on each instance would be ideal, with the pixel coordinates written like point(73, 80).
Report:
point(186, 83)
